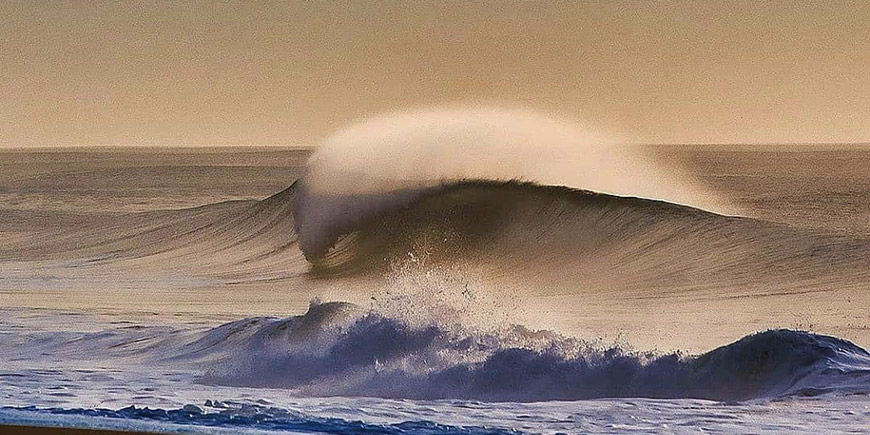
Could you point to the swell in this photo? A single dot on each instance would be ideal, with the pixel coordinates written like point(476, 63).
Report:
point(233, 241)
point(562, 237)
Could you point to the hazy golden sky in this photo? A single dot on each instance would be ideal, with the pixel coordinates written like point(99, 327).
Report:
point(288, 73)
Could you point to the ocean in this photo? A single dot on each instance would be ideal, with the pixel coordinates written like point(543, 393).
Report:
point(233, 290)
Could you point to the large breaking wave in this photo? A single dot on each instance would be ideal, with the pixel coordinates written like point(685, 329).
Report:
point(387, 161)
point(439, 183)
point(557, 240)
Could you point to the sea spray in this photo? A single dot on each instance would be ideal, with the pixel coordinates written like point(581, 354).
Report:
point(387, 161)
point(370, 354)
point(338, 349)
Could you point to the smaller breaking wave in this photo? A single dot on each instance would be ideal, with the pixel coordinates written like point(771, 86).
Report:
point(341, 349)
point(338, 350)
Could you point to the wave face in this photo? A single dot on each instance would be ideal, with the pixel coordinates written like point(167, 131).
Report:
point(579, 241)
point(339, 350)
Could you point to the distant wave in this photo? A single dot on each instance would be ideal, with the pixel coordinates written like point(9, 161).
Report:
point(336, 349)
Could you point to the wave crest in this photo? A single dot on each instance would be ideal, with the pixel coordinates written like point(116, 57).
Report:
point(387, 161)
point(369, 354)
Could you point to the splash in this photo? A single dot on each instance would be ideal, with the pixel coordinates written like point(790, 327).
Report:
point(371, 354)
point(339, 349)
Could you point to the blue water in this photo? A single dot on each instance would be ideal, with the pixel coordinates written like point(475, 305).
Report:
point(343, 370)
point(251, 417)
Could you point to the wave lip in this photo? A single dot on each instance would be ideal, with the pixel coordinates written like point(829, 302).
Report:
point(383, 162)
point(373, 355)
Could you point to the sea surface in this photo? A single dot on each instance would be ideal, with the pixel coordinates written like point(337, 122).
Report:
point(192, 291)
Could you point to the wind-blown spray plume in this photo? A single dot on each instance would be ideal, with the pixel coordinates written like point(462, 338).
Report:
point(388, 161)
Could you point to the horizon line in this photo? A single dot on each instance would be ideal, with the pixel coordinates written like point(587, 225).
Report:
point(275, 147)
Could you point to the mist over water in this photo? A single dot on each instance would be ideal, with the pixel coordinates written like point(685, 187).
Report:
point(387, 161)
point(421, 148)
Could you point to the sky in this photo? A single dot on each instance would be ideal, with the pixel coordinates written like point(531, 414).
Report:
point(186, 73)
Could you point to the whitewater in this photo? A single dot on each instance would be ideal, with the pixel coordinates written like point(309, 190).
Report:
point(436, 272)
point(339, 369)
